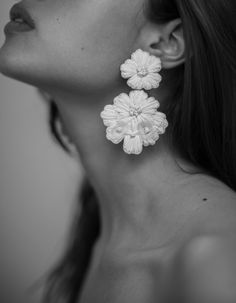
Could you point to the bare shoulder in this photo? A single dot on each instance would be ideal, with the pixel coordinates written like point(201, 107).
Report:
point(207, 268)
point(203, 246)
point(205, 264)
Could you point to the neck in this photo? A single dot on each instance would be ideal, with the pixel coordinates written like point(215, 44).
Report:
point(136, 193)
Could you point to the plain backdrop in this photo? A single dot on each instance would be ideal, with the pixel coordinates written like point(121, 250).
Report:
point(38, 188)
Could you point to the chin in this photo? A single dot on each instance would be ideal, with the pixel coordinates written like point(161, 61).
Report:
point(18, 65)
point(28, 67)
point(10, 61)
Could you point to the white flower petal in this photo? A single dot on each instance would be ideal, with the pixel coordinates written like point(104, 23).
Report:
point(109, 122)
point(162, 127)
point(159, 117)
point(122, 103)
point(155, 78)
point(133, 145)
point(109, 112)
point(138, 97)
point(147, 84)
point(160, 122)
point(150, 138)
point(154, 64)
point(143, 125)
point(135, 82)
point(151, 81)
point(109, 115)
point(140, 119)
point(128, 69)
point(133, 125)
point(150, 104)
point(148, 133)
point(140, 57)
point(114, 137)
point(125, 120)
point(147, 118)
point(116, 134)
point(149, 110)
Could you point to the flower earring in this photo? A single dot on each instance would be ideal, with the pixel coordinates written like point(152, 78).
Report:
point(134, 117)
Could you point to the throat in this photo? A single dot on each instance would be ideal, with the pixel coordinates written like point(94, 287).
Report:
point(139, 218)
point(139, 197)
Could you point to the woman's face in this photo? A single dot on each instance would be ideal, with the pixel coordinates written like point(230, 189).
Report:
point(76, 43)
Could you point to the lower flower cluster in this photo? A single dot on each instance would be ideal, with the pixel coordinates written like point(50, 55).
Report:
point(134, 118)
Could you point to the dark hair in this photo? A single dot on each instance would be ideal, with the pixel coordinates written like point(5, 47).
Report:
point(202, 120)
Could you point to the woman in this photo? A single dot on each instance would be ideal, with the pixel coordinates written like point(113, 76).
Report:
point(157, 222)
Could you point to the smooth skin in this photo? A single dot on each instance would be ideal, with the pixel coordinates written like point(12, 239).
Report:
point(152, 212)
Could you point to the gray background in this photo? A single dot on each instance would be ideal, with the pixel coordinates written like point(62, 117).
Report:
point(38, 188)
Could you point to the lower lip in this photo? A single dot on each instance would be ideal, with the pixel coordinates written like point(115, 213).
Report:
point(15, 27)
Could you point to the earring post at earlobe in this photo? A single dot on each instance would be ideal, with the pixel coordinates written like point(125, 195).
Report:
point(134, 117)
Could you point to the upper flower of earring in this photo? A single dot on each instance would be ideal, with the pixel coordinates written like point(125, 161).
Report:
point(142, 70)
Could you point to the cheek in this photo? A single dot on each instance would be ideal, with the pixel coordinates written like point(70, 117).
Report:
point(90, 46)
point(81, 48)
point(19, 56)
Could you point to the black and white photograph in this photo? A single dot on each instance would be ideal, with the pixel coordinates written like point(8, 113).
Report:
point(118, 151)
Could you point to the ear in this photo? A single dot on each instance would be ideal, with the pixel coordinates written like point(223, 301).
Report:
point(165, 41)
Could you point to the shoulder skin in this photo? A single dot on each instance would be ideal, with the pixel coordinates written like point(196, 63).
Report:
point(206, 268)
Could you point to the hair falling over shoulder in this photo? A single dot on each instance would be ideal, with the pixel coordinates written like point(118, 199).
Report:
point(202, 121)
